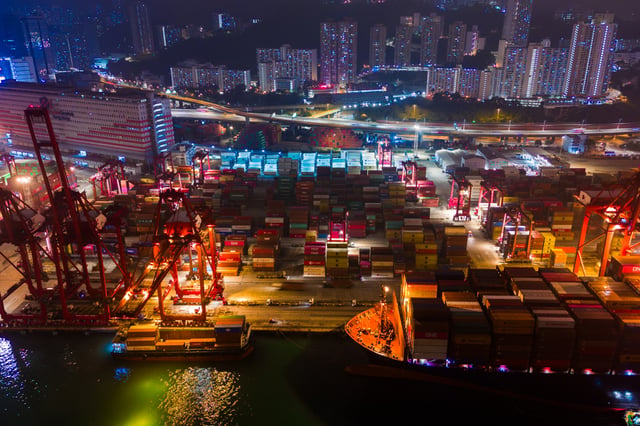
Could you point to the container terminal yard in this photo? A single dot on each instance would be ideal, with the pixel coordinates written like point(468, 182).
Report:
point(299, 241)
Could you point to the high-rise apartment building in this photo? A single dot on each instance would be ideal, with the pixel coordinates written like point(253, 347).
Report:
point(402, 45)
point(473, 42)
point(297, 65)
point(456, 42)
point(169, 35)
point(590, 57)
point(517, 20)
point(39, 46)
point(338, 52)
point(513, 74)
point(431, 32)
point(207, 76)
point(553, 71)
point(377, 45)
point(141, 29)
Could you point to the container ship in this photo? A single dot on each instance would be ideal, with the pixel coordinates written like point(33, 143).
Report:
point(523, 332)
point(229, 339)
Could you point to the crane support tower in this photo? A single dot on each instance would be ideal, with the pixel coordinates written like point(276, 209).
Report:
point(618, 206)
point(179, 232)
point(460, 198)
point(61, 235)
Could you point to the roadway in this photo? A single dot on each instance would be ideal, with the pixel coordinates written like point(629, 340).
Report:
point(444, 129)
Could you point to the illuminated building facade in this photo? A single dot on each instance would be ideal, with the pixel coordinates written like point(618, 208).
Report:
point(338, 53)
point(431, 33)
point(377, 45)
point(456, 42)
point(590, 57)
point(133, 124)
point(202, 76)
point(517, 20)
point(296, 65)
point(141, 30)
point(39, 46)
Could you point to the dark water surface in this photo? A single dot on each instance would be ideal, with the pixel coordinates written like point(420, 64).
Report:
point(71, 379)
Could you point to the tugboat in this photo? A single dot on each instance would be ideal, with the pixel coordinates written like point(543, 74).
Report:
point(228, 339)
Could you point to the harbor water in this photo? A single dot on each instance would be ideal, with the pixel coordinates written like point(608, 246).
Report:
point(290, 379)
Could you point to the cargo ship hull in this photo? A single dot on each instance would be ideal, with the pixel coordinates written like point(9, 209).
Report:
point(596, 392)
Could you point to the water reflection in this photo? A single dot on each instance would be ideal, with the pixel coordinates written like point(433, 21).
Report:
point(11, 380)
point(200, 396)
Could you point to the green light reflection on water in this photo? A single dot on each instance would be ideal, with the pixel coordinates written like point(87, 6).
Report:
point(189, 396)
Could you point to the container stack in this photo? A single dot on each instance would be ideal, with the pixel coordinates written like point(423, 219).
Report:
point(486, 281)
point(337, 260)
point(425, 256)
point(623, 302)
point(314, 259)
point(275, 214)
point(427, 330)
point(229, 261)
point(562, 224)
point(421, 286)
point(625, 266)
point(455, 246)
point(392, 224)
point(596, 331)
point(555, 338)
point(381, 262)
point(265, 251)
point(142, 337)
point(397, 194)
point(364, 257)
point(513, 326)
point(356, 224)
point(298, 221)
point(304, 192)
point(228, 330)
point(470, 331)
point(451, 280)
point(242, 225)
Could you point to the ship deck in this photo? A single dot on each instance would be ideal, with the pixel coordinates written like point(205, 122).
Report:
point(365, 329)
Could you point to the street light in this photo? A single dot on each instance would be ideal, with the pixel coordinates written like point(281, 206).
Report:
point(415, 141)
point(498, 114)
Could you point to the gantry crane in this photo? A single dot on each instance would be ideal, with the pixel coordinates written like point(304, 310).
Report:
point(491, 195)
point(385, 154)
point(618, 206)
point(460, 198)
point(179, 231)
point(111, 178)
point(59, 234)
point(199, 158)
point(515, 219)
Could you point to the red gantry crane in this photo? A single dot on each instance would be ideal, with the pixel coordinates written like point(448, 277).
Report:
point(180, 232)
point(63, 235)
point(460, 198)
point(618, 206)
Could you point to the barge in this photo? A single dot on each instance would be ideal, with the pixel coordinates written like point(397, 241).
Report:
point(228, 339)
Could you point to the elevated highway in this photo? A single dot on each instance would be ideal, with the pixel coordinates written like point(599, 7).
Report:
point(218, 112)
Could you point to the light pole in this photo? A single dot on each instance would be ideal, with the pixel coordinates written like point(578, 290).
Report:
point(498, 114)
point(619, 121)
point(415, 141)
